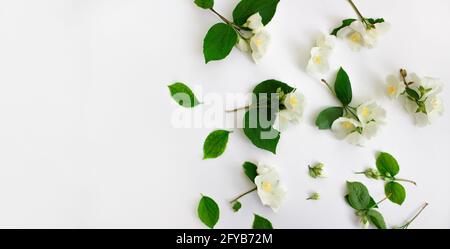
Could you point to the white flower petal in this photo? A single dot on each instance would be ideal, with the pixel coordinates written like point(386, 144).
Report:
point(259, 44)
point(326, 41)
point(254, 23)
point(342, 127)
point(269, 187)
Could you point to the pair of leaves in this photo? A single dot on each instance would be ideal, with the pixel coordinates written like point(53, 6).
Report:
point(348, 22)
point(183, 95)
point(359, 199)
point(343, 91)
point(388, 167)
point(208, 211)
point(258, 121)
point(221, 38)
point(215, 144)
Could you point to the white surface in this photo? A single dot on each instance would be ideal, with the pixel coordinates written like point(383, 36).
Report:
point(86, 138)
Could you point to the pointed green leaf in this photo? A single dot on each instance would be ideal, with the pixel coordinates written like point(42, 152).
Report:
point(343, 87)
point(250, 170)
point(219, 42)
point(260, 132)
point(261, 223)
point(358, 196)
point(345, 23)
point(376, 218)
point(327, 117)
point(215, 144)
point(395, 192)
point(387, 165)
point(208, 211)
point(246, 8)
point(204, 4)
point(375, 20)
point(183, 95)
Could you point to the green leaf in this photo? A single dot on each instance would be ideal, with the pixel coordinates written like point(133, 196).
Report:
point(375, 21)
point(387, 165)
point(215, 144)
point(343, 87)
point(204, 4)
point(183, 95)
point(219, 42)
point(250, 170)
point(358, 196)
point(345, 23)
point(261, 223)
point(237, 206)
point(247, 8)
point(327, 117)
point(208, 211)
point(258, 122)
point(412, 93)
point(395, 192)
point(260, 132)
point(376, 218)
point(372, 203)
point(264, 90)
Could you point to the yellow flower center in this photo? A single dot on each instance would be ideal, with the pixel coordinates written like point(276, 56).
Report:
point(391, 90)
point(267, 186)
point(347, 125)
point(293, 101)
point(317, 59)
point(435, 103)
point(258, 42)
point(356, 38)
point(365, 112)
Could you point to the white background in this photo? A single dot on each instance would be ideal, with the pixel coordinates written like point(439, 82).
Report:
point(86, 138)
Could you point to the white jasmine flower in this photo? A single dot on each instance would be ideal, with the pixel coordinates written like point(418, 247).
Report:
point(320, 55)
point(434, 108)
point(326, 41)
point(395, 87)
point(370, 112)
point(254, 23)
point(354, 35)
point(294, 104)
point(270, 190)
point(357, 35)
point(373, 34)
point(259, 44)
point(319, 62)
point(430, 105)
point(348, 129)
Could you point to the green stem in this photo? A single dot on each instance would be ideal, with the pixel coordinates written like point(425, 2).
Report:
point(348, 109)
point(361, 17)
point(415, 217)
point(233, 25)
point(240, 109)
point(329, 87)
point(384, 199)
point(405, 180)
point(242, 195)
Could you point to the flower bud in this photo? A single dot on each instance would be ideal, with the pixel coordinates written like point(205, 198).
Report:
point(316, 171)
point(372, 174)
point(314, 197)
